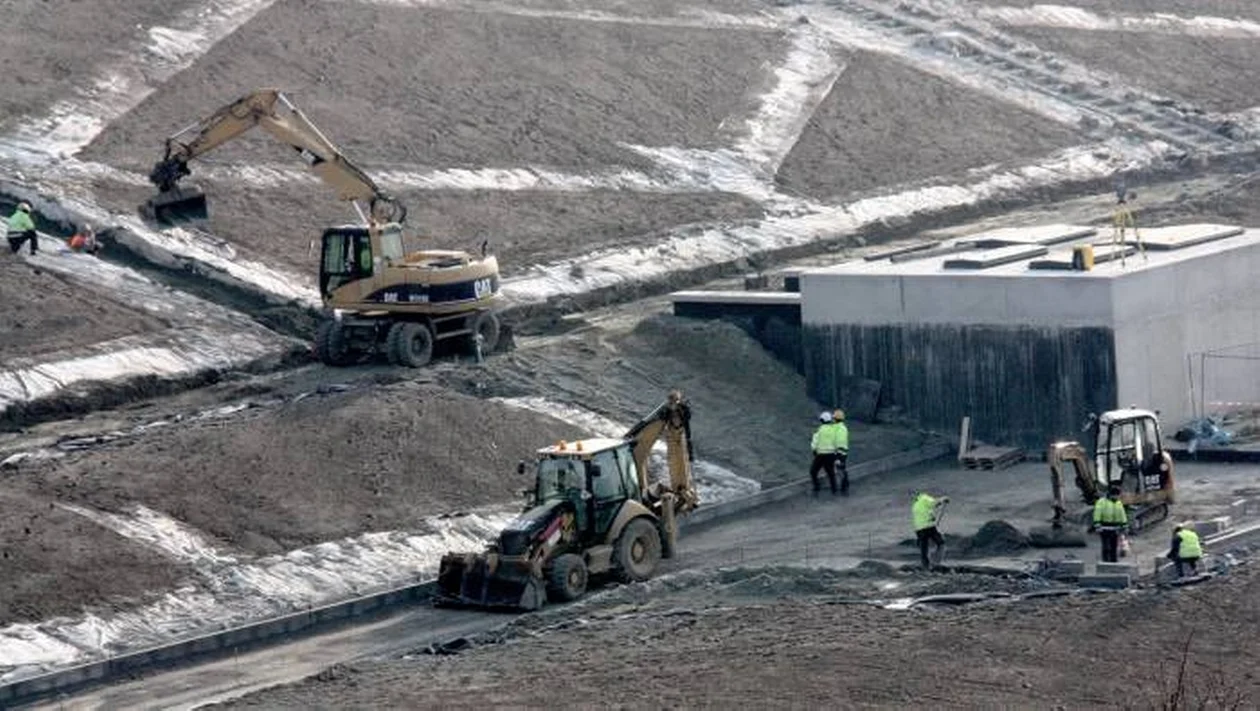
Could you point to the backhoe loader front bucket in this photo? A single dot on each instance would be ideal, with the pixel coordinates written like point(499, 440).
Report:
point(488, 581)
point(179, 204)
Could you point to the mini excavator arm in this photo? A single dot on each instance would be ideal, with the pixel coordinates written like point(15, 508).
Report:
point(1059, 455)
point(278, 116)
point(672, 421)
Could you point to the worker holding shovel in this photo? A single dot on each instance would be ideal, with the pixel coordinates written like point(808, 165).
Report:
point(926, 512)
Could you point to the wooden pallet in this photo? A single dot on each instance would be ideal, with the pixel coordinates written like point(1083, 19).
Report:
point(987, 457)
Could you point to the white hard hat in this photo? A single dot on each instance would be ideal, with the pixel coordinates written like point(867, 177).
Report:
point(24, 206)
point(825, 417)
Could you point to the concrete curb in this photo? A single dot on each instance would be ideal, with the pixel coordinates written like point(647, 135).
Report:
point(258, 633)
point(900, 460)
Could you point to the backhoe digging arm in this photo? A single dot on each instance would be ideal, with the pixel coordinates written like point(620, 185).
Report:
point(279, 117)
point(671, 420)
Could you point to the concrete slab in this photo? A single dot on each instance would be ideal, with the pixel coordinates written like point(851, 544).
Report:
point(996, 257)
point(899, 251)
point(1103, 253)
point(1178, 236)
point(1108, 582)
point(1129, 569)
point(776, 298)
point(1036, 234)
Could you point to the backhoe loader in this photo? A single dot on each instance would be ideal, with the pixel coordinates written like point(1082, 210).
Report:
point(379, 297)
point(593, 511)
point(1127, 452)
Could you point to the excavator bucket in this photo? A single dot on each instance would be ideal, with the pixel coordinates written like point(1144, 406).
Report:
point(482, 581)
point(179, 204)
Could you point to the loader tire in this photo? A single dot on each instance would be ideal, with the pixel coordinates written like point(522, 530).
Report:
point(409, 344)
point(638, 551)
point(486, 325)
point(567, 578)
point(331, 346)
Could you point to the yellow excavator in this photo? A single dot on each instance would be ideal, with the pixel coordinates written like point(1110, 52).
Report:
point(593, 511)
point(381, 298)
point(1127, 452)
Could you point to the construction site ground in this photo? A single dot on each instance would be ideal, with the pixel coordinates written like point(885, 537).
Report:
point(639, 146)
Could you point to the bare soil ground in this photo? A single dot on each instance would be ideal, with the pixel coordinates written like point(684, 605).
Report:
point(48, 51)
point(453, 88)
point(276, 225)
point(733, 645)
point(43, 313)
point(886, 123)
point(325, 467)
point(1184, 8)
point(1215, 73)
point(55, 561)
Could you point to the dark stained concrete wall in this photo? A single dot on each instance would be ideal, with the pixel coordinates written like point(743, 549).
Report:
point(1021, 385)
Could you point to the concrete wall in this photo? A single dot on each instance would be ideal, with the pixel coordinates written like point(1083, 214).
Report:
point(1020, 384)
point(1168, 312)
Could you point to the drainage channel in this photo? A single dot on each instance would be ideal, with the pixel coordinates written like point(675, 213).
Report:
point(323, 619)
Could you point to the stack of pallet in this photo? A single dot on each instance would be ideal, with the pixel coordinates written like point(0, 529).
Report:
point(989, 457)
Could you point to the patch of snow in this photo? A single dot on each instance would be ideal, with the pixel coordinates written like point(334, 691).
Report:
point(802, 82)
point(1078, 18)
point(684, 19)
point(682, 250)
point(74, 122)
point(230, 590)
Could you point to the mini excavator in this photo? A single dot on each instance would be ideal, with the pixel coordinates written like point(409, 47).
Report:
point(1127, 452)
point(593, 511)
point(380, 297)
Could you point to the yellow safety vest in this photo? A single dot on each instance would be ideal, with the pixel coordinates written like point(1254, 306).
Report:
point(1109, 513)
point(923, 511)
point(840, 437)
point(1189, 547)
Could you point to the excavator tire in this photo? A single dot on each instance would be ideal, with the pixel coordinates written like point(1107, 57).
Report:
point(486, 325)
point(410, 344)
point(566, 579)
point(638, 551)
point(330, 344)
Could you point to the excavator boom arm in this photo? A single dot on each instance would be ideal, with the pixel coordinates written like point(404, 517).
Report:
point(672, 421)
point(279, 117)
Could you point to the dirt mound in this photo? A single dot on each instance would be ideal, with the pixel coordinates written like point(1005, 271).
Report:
point(54, 561)
point(44, 314)
point(942, 129)
point(995, 538)
point(325, 467)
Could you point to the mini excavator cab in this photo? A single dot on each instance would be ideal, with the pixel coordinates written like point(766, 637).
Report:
point(1129, 452)
point(1125, 450)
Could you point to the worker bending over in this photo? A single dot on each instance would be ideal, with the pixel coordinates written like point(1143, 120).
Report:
point(840, 440)
point(1110, 519)
point(20, 228)
point(926, 513)
point(1186, 549)
point(824, 448)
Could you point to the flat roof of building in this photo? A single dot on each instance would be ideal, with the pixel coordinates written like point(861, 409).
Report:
point(1046, 251)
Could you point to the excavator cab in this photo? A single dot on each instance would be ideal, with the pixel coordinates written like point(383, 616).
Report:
point(1128, 452)
point(348, 254)
point(1125, 449)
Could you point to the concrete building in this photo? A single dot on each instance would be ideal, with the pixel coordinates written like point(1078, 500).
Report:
point(999, 326)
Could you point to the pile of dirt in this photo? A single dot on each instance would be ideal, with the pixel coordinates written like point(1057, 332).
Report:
point(47, 52)
point(43, 313)
point(940, 129)
point(751, 413)
point(55, 561)
point(459, 89)
point(1185, 67)
point(994, 538)
point(322, 468)
point(800, 654)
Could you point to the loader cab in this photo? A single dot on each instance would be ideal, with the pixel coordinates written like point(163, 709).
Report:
point(596, 475)
point(349, 253)
point(1129, 451)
